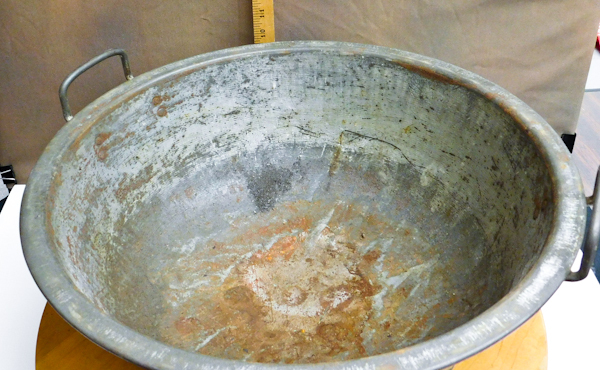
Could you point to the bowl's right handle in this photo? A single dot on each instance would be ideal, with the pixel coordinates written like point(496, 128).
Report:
point(592, 237)
point(62, 91)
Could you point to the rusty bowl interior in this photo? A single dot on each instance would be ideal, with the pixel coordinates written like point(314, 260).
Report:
point(298, 207)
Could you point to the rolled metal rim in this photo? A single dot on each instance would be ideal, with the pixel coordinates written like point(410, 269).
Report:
point(522, 302)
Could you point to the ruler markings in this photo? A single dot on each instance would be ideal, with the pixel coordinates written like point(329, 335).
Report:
point(263, 18)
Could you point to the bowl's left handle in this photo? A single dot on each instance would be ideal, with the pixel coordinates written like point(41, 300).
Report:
point(62, 91)
point(592, 237)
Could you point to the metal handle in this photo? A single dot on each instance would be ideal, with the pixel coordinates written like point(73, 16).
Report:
point(592, 237)
point(62, 91)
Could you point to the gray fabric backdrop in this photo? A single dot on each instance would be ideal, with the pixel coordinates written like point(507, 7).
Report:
point(538, 50)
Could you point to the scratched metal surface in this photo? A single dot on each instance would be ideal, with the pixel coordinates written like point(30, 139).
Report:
point(303, 206)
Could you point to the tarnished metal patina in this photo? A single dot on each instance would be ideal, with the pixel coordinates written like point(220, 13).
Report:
point(302, 203)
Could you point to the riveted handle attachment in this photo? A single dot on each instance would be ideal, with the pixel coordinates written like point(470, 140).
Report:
point(62, 91)
point(592, 236)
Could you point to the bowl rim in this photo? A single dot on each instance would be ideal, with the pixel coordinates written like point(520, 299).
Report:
point(522, 302)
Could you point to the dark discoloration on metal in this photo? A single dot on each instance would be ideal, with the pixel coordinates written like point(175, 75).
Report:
point(336, 155)
point(383, 210)
point(267, 184)
point(432, 74)
point(437, 74)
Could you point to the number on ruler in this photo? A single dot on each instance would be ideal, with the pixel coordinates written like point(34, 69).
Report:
point(263, 18)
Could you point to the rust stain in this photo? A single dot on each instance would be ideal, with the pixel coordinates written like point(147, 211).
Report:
point(157, 100)
point(106, 140)
point(162, 111)
point(335, 161)
point(431, 74)
point(102, 137)
point(284, 248)
point(100, 150)
point(83, 133)
point(307, 296)
point(151, 126)
point(372, 256)
point(300, 223)
point(187, 326)
point(128, 184)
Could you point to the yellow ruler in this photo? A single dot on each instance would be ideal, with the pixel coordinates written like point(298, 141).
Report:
point(263, 20)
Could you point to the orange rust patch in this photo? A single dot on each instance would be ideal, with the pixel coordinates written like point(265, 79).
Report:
point(105, 141)
point(303, 283)
point(301, 223)
point(102, 137)
point(418, 327)
point(187, 326)
point(100, 150)
point(129, 184)
point(102, 153)
point(162, 111)
point(372, 256)
point(284, 247)
point(157, 100)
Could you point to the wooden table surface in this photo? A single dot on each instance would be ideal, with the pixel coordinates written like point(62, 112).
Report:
point(524, 349)
point(60, 347)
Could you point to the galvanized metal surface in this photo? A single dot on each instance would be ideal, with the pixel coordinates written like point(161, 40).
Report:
point(339, 204)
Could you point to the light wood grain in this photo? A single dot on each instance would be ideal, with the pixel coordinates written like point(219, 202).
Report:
point(60, 347)
point(524, 349)
point(263, 18)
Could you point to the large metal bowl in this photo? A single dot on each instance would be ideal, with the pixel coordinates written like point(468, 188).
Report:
point(323, 203)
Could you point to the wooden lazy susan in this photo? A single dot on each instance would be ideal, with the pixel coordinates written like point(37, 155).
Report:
point(60, 347)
